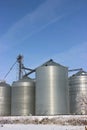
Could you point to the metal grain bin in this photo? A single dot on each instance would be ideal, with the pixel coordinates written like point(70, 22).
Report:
point(23, 97)
point(5, 99)
point(78, 93)
point(51, 89)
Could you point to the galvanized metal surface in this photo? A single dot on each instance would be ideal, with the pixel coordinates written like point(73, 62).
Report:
point(51, 90)
point(5, 99)
point(23, 97)
point(78, 93)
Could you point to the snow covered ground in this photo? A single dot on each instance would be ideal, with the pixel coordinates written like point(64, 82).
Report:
point(40, 127)
point(62, 122)
point(58, 120)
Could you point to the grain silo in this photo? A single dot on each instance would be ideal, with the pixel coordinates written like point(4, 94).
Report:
point(23, 97)
point(78, 93)
point(5, 99)
point(51, 89)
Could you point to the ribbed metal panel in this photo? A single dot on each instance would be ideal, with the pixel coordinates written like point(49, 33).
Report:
point(23, 97)
point(78, 93)
point(52, 89)
point(5, 99)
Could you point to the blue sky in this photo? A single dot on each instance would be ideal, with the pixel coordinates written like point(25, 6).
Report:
point(40, 30)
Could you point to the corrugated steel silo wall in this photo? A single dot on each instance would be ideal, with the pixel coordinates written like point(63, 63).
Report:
point(52, 95)
point(5, 100)
point(23, 99)
point(78, 94)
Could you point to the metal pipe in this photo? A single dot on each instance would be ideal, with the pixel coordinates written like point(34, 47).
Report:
point(37, 67)
point(79, 69)
point(27, 68)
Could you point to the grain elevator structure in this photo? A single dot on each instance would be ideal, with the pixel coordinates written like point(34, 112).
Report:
point(5, 99)
point(78, 93)
point(51, 89)
point(49, 93)
point(23, 97)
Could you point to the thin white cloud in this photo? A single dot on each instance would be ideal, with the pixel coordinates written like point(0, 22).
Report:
point(47, 13)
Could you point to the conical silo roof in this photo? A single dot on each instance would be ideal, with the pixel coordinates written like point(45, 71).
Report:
point(80, 73)
point(52, 63)
point(4, 84)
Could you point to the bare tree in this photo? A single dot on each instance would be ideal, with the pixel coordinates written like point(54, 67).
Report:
point(81, 103)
